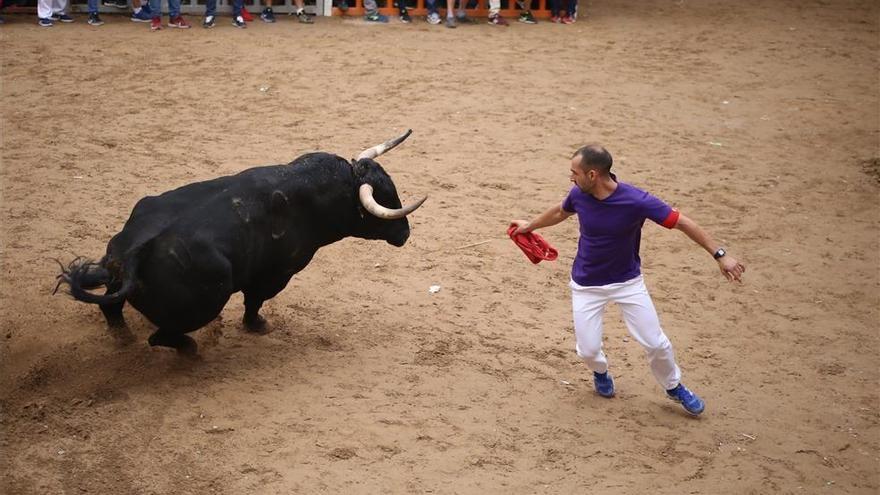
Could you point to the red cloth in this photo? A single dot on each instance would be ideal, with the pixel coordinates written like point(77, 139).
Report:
point(533, 245)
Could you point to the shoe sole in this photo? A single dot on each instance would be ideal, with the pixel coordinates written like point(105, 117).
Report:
point(96, 23)
point(135, 19)
point(678, 401)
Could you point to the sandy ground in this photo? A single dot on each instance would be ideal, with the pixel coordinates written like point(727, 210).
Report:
point(758, 119)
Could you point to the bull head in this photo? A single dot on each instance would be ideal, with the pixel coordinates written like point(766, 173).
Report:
point(365, 191)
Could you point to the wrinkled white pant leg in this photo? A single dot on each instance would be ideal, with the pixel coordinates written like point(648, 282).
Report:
point(641, 319)
point(588, 307)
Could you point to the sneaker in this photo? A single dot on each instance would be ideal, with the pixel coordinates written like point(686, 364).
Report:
point(604, 384)
point(405, 18)
point(497, 20)
point(375, 17)
point(246, 15)
point(267, 15)
point(142, 15)
point(108, 3)
point(450, 22)
point(527, 17)
point(155, 23)
point(121, 4)
point(209, 22)
point(568, 20)
point(45, 22)
point(461, 16)
point(307, 19)
point(63, 18)
point(556, 19)
point(689, 400)
point(178, 22)
point(94, 20)
point(433, 18)
point(239, 22)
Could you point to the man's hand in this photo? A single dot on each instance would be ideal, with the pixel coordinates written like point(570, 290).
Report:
point(521, 227)
point(733, 270)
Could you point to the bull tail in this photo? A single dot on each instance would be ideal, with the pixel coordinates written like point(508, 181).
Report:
point(82, 275)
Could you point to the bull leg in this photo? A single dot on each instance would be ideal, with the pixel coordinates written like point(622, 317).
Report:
point(113, 312)
point(253, 322)
point(184, 344)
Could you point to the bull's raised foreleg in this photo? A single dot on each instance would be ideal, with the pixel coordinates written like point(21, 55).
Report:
point(184, 344)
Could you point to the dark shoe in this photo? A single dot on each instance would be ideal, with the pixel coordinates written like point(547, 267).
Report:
point(450, 23)
point(405, 18)
point(267, 15)
point(497, 20)
point(527, 18)
point(375, 17)
point(209, 22)
point(689, 400)
point(121, 4)
point(94, 20)
point(239, 22)
point(604, 384)
point(142, 15)
point(46, 23)
point(65, 18)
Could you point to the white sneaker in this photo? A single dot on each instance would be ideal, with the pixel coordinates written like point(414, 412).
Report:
point(433, 18)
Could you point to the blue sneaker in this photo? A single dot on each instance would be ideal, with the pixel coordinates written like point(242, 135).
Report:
point(142, 15)
point(689, 400)
point(45, 22)
point(375, 17)
point(604, 384)
point(63, 18)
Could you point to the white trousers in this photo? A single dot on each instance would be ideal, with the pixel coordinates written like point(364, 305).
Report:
point(45, 8)
point(588, 307)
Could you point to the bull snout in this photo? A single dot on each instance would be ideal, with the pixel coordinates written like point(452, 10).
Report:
point(399, 239)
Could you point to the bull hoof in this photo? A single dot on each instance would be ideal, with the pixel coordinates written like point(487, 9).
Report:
point(255, 324)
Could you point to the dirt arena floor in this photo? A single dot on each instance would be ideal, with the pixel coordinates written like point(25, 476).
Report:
point(758, 119)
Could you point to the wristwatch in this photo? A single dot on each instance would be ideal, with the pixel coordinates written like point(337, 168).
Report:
point(719, 254)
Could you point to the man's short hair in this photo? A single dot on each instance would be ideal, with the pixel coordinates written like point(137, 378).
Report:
point(595, 157)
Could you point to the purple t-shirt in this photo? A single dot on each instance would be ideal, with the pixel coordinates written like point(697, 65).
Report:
point(611, 231)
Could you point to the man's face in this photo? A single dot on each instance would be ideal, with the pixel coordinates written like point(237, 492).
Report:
point(584, 179)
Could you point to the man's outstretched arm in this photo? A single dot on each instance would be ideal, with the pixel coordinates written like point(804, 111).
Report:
point(550, 217)
point(730, 267)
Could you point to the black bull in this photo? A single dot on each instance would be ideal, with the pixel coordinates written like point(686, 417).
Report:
point(182, 254)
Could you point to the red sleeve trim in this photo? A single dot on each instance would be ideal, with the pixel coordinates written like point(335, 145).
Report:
point(672, 219)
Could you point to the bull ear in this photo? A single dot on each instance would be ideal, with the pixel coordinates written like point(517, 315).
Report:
point(278, 206)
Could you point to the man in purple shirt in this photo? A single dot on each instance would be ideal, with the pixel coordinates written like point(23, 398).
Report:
point(607, 267)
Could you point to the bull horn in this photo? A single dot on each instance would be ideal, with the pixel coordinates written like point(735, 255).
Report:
point(366, 194)
point(382, 148)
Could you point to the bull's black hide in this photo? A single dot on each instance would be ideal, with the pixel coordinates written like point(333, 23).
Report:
point(183, 253)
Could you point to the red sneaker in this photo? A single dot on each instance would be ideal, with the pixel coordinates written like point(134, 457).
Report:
point(568, 20)
point(156, 24)
point(556, 19)
point(246, 15)
point(179, 22)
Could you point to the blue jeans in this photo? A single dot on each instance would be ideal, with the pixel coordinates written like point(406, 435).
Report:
point(555, 7)
point(173, 8)
point(211, 7)
point(93, 6)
